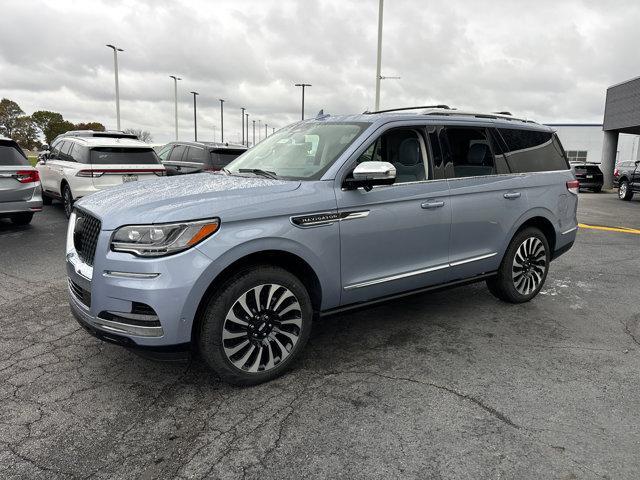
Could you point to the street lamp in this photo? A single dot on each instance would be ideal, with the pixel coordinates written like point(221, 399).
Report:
point(259, 129)
point(254, 132)
point(247, 117)
point(195, 117)
point(379, 54)
point(175, 100)
point(242, 122)
point(221, 120)
point(115, 67)
point(273, 130)
point(303, 85)
point(266, 130)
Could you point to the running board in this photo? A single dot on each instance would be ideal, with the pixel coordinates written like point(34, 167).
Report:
point(440, 286)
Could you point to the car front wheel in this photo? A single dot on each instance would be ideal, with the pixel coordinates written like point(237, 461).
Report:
point(255, 327)
point(624, 191)
point(524, 267)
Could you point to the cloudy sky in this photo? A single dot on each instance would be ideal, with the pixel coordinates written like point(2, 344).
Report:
point(547, 60)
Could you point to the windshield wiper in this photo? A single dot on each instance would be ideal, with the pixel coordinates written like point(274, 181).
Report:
point(258, 171)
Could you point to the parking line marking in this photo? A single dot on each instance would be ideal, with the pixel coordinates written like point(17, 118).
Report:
point(610, 229)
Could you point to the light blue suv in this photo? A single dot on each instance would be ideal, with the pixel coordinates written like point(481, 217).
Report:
point(325, 215)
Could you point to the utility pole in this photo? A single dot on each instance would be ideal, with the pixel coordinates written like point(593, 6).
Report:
point(115, 68)
point(303, 85)
point(379, 54)
point(195, 117)
point(221, 120)
point(247, 117)
point(175, 100)
point(242, 122)
point(254, 132)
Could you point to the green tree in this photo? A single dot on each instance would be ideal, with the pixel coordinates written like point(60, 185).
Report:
point(26, 132)
point(96, 126)
point(10, 111)
point(51, 124)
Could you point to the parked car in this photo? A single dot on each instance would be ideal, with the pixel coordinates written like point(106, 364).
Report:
point(76, 166)
point(325, 215)
point(626, 177)
point(589, 175)
point(195, 157)
point(20, 192)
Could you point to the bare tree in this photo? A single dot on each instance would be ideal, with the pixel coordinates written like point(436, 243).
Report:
point(142, 134)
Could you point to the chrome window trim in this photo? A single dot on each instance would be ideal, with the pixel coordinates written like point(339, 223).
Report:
point(412, 273)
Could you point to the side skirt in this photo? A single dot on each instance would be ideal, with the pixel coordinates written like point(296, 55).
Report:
point(433, 288)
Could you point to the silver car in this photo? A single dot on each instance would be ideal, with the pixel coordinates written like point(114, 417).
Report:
point(20, 189)
point(325, 215)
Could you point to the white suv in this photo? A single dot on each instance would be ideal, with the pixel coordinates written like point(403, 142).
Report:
point(77, 165)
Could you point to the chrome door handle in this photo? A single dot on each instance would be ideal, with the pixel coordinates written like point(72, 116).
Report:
point(511, 195)
point(429, 205)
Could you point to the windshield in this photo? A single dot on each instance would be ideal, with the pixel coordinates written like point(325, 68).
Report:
point(301, 151)
point(10, 155)
point(123, 156)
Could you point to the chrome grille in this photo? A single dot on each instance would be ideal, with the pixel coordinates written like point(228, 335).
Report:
point(85, 236)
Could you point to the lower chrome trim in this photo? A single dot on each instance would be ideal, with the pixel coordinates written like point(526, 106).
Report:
point(136, 330)
point(412, 273)
point(474, 259)
point(111, 273)
point(570, 230)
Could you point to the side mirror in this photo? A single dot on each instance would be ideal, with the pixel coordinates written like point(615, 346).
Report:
point(369, 174)
point(45, 147)
point(637, 162)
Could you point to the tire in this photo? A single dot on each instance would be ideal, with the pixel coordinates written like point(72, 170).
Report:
point(22, 219)
point(67, 200)
point(516, 284)
point(624, 191)
point(597, 189)
point(46, 200)
point(278, 324)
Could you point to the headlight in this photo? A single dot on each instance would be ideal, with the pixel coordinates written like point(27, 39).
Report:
point(162, 239)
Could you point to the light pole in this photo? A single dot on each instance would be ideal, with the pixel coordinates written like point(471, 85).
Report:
point(242, 122)
point(214, 132)
point(254, 132)
point(273, 130)
point(247, 118)
point(175, 100)
point(221, 120)
point(303, 85)
point(266, 130)
point(379, 54)
point(259, 129)
point(195, 117)
point(115, 67)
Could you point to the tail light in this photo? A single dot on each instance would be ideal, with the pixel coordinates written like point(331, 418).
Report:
point(90, 173)
point(160, 173)
point(573, 186)
point(27, 176)
point(616, 173)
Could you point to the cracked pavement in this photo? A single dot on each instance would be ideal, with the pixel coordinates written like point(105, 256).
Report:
point(442, 386)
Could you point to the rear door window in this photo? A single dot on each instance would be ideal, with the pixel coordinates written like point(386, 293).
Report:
point(65, 151)
point(164, 153)
point(11, 155)
point(533, 150)
point(468, 152)
point(195, 155)
point(177, 153)
point(123, 156)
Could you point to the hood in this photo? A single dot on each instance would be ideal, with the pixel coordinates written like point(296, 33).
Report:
point(183, 197)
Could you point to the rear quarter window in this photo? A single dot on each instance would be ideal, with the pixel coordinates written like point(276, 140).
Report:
point(123, 156)
point(533, 150)
point(11, 155)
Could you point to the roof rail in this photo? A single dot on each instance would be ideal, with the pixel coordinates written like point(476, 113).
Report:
point(444, 107)
point(495, 116)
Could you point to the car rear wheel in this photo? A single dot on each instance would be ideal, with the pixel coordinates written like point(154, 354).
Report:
point(624, 191)
point(255, 327)
point(67, 200)
point(22, 219)
point(524, 267)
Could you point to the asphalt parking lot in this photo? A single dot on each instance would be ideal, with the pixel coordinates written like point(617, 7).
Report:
point(444, 385)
